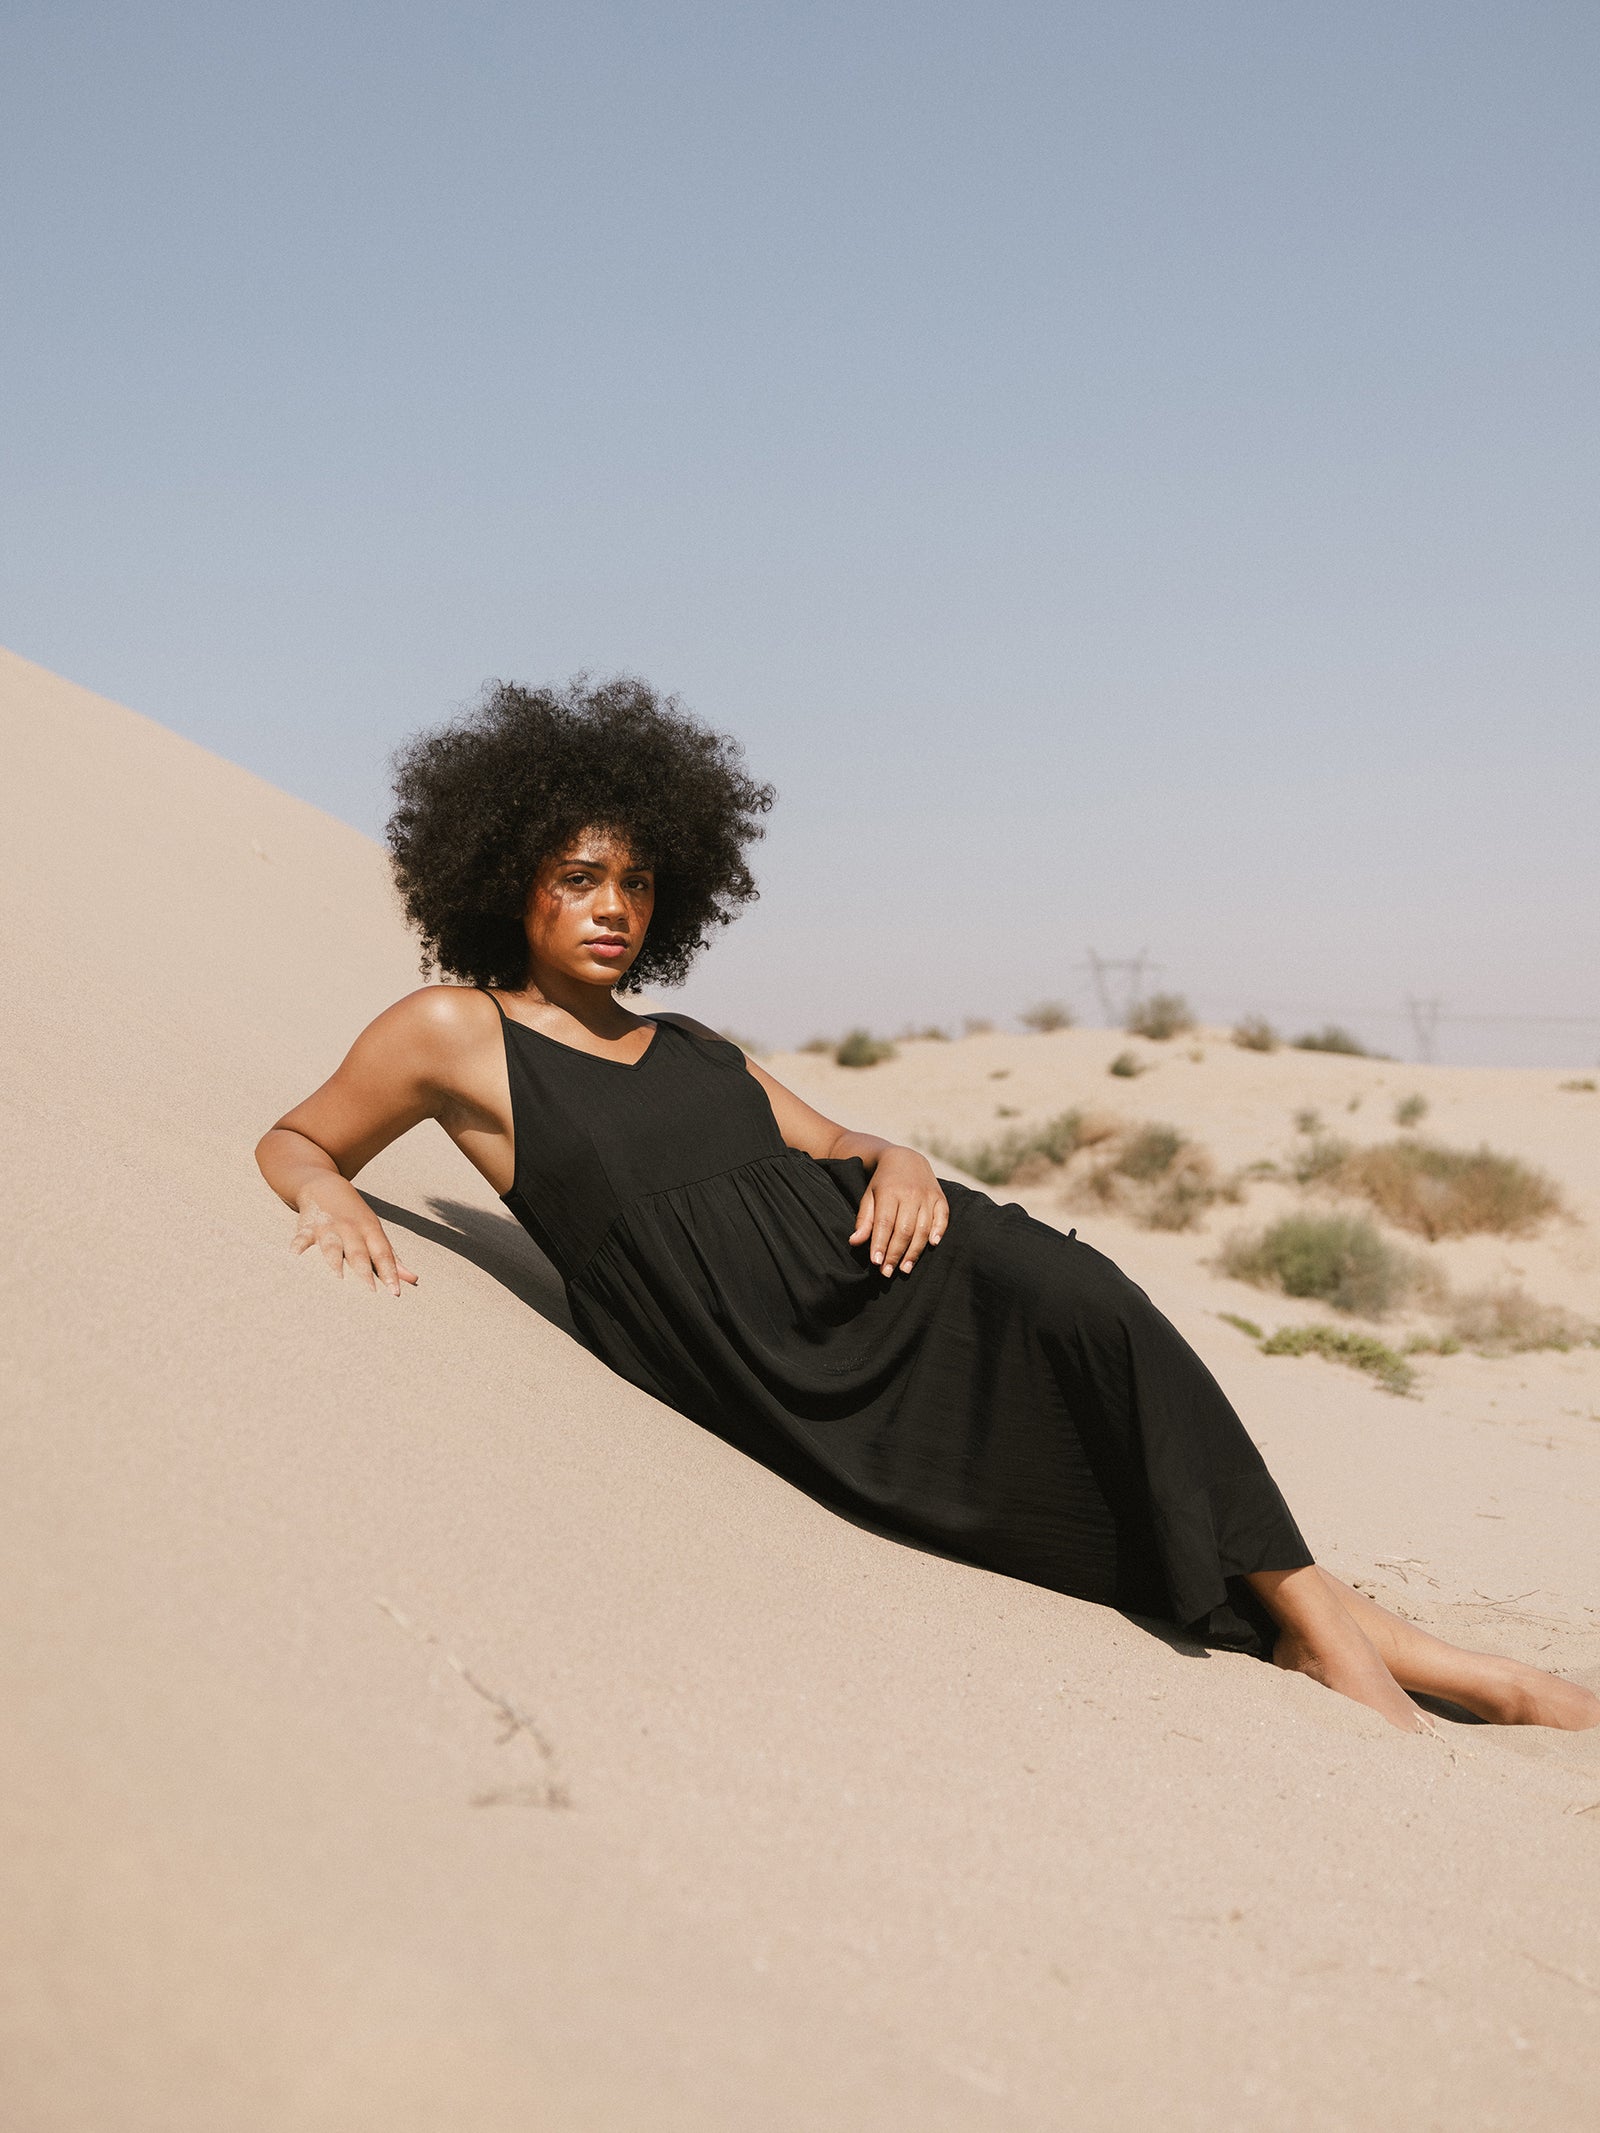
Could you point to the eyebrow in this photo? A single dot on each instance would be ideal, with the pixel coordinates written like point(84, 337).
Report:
point(576, 859)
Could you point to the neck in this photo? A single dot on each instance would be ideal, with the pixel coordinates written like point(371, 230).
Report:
point(595, 1006)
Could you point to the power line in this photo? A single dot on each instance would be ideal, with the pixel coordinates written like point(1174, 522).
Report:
point(1131, 968)
point(1425, 1022)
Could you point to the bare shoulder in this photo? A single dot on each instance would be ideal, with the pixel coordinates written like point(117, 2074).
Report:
point(434, 1023)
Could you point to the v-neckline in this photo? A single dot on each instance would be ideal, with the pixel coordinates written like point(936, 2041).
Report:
point(628, 1066)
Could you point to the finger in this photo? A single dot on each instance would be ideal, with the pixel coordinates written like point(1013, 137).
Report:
point(386, 1266)
point(863, 1228)
point(883, 1230)
point(905, 1221)
point(941, 1219)
point(331, 1246)
point(389, 1270)
point(919, 1237)
point(303, 1239)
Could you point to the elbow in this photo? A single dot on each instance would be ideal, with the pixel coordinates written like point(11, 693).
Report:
point(269, 1146)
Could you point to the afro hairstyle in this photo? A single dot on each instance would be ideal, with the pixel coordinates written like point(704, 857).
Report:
point(481, 802)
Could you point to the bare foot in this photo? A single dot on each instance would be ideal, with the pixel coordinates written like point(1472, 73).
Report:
point(1504, 1691)
point(1350, 1665)
point(1508, 1693)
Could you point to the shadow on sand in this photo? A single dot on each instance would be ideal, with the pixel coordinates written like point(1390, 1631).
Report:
point(502, 1249)
point(495, 1244)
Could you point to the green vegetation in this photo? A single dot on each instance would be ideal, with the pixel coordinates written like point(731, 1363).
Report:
point(1411, 1111)
point(1151, 1153)
point(1048, 1015)
point(929, 1034)
point(1359, 1350)
point(1163, 1015)
point(1320, 1158)
point(1589, 1084)
point(1183, 1198)
point(1245, 1325)
point(1339, 1259)
point(1255, 1034)
point(1432, 1344)
point(1022, 1156)
point(1126, 1064)
point(1448, 1192)
point(861, 1049)
point(817, 1044)
point(1332, 1038)
point(1173, 1180)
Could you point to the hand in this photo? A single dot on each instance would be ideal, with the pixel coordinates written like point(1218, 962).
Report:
point(335, 1218)
point(901, 1210)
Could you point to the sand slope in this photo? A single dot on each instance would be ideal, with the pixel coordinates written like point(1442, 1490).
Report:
point(410, 1726)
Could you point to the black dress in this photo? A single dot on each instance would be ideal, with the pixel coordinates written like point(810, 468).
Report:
point(1014, 1401)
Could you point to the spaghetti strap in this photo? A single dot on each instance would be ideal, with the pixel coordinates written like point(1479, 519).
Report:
point(499, 1010)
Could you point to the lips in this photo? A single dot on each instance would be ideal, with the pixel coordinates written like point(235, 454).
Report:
point(610, 945)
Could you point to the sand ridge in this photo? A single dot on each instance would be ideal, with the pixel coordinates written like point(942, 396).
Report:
point(412, 1725)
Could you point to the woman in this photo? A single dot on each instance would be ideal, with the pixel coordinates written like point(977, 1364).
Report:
point(944, 1368)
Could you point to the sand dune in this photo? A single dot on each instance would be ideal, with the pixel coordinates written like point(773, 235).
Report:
point(411, 1726)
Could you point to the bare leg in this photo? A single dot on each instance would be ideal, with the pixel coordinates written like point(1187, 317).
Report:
point(1318, 1635)
point(1504, 1691)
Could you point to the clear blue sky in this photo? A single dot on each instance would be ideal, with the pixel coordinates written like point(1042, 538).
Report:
point(1129, 472)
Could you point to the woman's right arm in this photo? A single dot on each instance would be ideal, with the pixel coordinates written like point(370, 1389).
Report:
point(398, 1072)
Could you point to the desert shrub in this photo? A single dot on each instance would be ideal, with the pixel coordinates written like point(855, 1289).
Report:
point(1448, 1192)
point(1320, 1158)
point(1185, 1194)
point(1163, 1015)
point(1331, 1038)
point(1411, 1111)
point(861, 1049)
point(817, 1044)
point(1245, 1325)
point(1360, 1350)
point(1126, 1065)
point(1151, 1153)
point(1588, 1083)
point(930, 1033)
point(1508, 1321)
point(1255, 1034)
point(1023, 1155)
point(1339, 1259)
point(976, 1026)
point(1161, 1179)
point(1046, 1016)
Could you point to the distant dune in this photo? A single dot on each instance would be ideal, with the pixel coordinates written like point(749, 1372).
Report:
point(410, 1726)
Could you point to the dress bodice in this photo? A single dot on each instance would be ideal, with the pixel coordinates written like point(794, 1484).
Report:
point(594, 1135)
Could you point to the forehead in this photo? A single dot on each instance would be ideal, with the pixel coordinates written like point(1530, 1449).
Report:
point(595, 846)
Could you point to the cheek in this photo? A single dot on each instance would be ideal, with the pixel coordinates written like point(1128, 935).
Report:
point(555, 911)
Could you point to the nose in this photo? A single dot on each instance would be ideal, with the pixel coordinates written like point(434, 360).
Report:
point(609, 901)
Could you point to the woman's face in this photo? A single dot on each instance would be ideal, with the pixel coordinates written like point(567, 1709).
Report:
point(588, 910)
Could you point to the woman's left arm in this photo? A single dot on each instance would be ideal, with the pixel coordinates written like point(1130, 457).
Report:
point(902, 1209)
